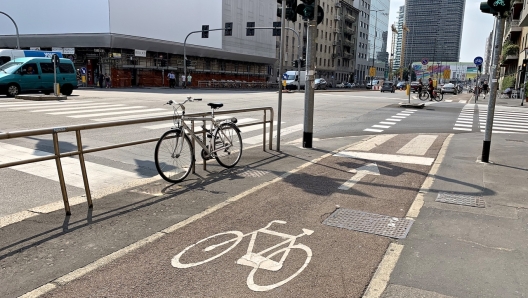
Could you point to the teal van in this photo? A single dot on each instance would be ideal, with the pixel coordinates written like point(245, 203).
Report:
point(24, 75)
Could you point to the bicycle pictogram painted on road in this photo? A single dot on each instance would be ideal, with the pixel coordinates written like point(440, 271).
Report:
point(251, 259)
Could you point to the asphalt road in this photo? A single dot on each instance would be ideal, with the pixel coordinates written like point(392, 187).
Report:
point(305, 190)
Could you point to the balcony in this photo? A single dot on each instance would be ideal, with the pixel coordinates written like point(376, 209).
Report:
point(348, 56)
point(348, 43)
point(337, 18)
point(349, 30)
point(512, 26)
point(350, 17)
point(337, 30)
point(523, 20)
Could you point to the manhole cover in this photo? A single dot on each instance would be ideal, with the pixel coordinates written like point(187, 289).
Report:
point(252, 173)
point(458, 199)
point(378, 224)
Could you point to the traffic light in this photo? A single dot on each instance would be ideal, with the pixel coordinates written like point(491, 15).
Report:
point(524, 63)
point(187, 62)
point(296, 63)
point(303, 63)
point(228, 29)
point(307, 10)
point(291, 7)
point(276, 28)
point(205, 31)
point(499, 6)
point(485, 8)
point(479, 68)
point(249, 30)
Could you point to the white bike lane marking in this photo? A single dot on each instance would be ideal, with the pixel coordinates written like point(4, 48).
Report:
point(255, 260)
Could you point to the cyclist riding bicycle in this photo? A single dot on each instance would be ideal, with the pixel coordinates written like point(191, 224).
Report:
point(430, 88)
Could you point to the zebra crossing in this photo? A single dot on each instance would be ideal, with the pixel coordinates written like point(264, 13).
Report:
point(465, 119)
point(505, 120)
point(389, 122)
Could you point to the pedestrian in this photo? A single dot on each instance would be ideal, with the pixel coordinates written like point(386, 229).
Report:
point(485, 89)
point(172, 79)
point(107, 80)
point(101, 80)
point(183, 80)
point(189, 78)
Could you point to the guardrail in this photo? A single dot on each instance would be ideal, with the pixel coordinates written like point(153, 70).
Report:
point(237, 84)
point(80, 151)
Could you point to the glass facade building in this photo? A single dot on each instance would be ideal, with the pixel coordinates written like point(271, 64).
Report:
point(378, 34)
point(435, 30)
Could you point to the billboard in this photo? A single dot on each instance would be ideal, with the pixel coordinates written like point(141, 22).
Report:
point(459, 70)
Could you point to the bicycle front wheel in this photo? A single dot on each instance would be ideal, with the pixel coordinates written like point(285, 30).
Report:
point(174, 156)
point(227, 145)
point(423, 96)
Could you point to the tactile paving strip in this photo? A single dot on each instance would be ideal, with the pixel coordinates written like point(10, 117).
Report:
point(458, 199)
point(377, 224)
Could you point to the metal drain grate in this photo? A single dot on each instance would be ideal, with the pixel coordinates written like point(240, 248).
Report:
point(252, 173)
point(458, 199)
point(378, 224)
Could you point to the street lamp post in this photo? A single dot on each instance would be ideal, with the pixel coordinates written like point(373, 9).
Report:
point(16, 27)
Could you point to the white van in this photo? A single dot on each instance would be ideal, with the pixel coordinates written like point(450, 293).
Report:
point(7, 55)
point(372, 83)
point(293, 79)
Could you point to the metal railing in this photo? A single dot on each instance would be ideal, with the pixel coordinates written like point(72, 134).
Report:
point(81, 152)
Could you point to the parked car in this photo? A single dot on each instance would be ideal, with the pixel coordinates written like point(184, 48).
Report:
point(448, 88)
point(320, 84)
point(348, 85)
point(388, 86)
point(415, 86)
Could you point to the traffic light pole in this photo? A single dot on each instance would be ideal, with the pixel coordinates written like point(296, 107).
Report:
point(185, 52)
point(499, 33)
point(16, 28)
point(310, 77)
point(281, 61)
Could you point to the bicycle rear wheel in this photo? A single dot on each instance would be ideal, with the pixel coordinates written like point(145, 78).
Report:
point(174, 156)
point(227, 145)
point(439, 96)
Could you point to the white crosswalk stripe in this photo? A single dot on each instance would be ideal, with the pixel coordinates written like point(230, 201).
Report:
point(389, 122)
point(465, 119)
point(31, 104)
point(108, 108)
point(284, 131)
point(99, 176)
point(505, 120)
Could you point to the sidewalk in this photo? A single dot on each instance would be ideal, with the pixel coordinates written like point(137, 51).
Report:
point(462, 251)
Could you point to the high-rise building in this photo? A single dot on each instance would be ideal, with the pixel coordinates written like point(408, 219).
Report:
point(435, 30)
point(378, 33)
point(362, 57)
point(399, 37)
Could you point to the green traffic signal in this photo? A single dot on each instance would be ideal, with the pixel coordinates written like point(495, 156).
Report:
point(499, 5)
point(485, 8)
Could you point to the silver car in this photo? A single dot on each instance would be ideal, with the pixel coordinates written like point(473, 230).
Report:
point(449, 88)
point(320, 84)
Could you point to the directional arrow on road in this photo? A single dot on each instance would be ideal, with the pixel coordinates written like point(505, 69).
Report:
point(370, 169)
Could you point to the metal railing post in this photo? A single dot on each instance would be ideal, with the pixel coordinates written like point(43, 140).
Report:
point(204, 128)
point(193, 148)
point(83, 169)
point(271, 130)
point(56, 149)
point(264, 132)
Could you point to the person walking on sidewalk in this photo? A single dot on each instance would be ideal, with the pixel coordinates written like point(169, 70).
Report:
point(189, 78)
point(183, 81)
point(172, 79)
point(107, 80)
point(101, 80)
point(485, 89)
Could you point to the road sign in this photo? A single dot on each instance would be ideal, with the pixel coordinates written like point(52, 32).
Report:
point(447, 74)
point(83, 70)
point(372, 71)
point(478, 60)
point(425, 61)
point(285, 76)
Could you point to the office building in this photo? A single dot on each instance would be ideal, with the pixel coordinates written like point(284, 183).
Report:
point(399, 37)
point(335, 42)
point(435, 30)
point(137, 44)
point(362, 57)
point(378, 34)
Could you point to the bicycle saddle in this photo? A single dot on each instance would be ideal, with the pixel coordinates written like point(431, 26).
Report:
point(215, 105)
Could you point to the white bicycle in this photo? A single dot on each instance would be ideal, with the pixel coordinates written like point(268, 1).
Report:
point(251, 259)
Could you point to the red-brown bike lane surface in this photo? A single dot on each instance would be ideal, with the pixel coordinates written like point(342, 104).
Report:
point(314, 260)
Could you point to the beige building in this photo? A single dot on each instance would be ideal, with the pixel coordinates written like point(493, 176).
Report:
point(335, 42)
point(514, 46)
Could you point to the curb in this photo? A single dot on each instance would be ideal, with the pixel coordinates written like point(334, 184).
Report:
point(41, 97)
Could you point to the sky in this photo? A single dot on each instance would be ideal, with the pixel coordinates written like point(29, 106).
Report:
point(477, 27)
